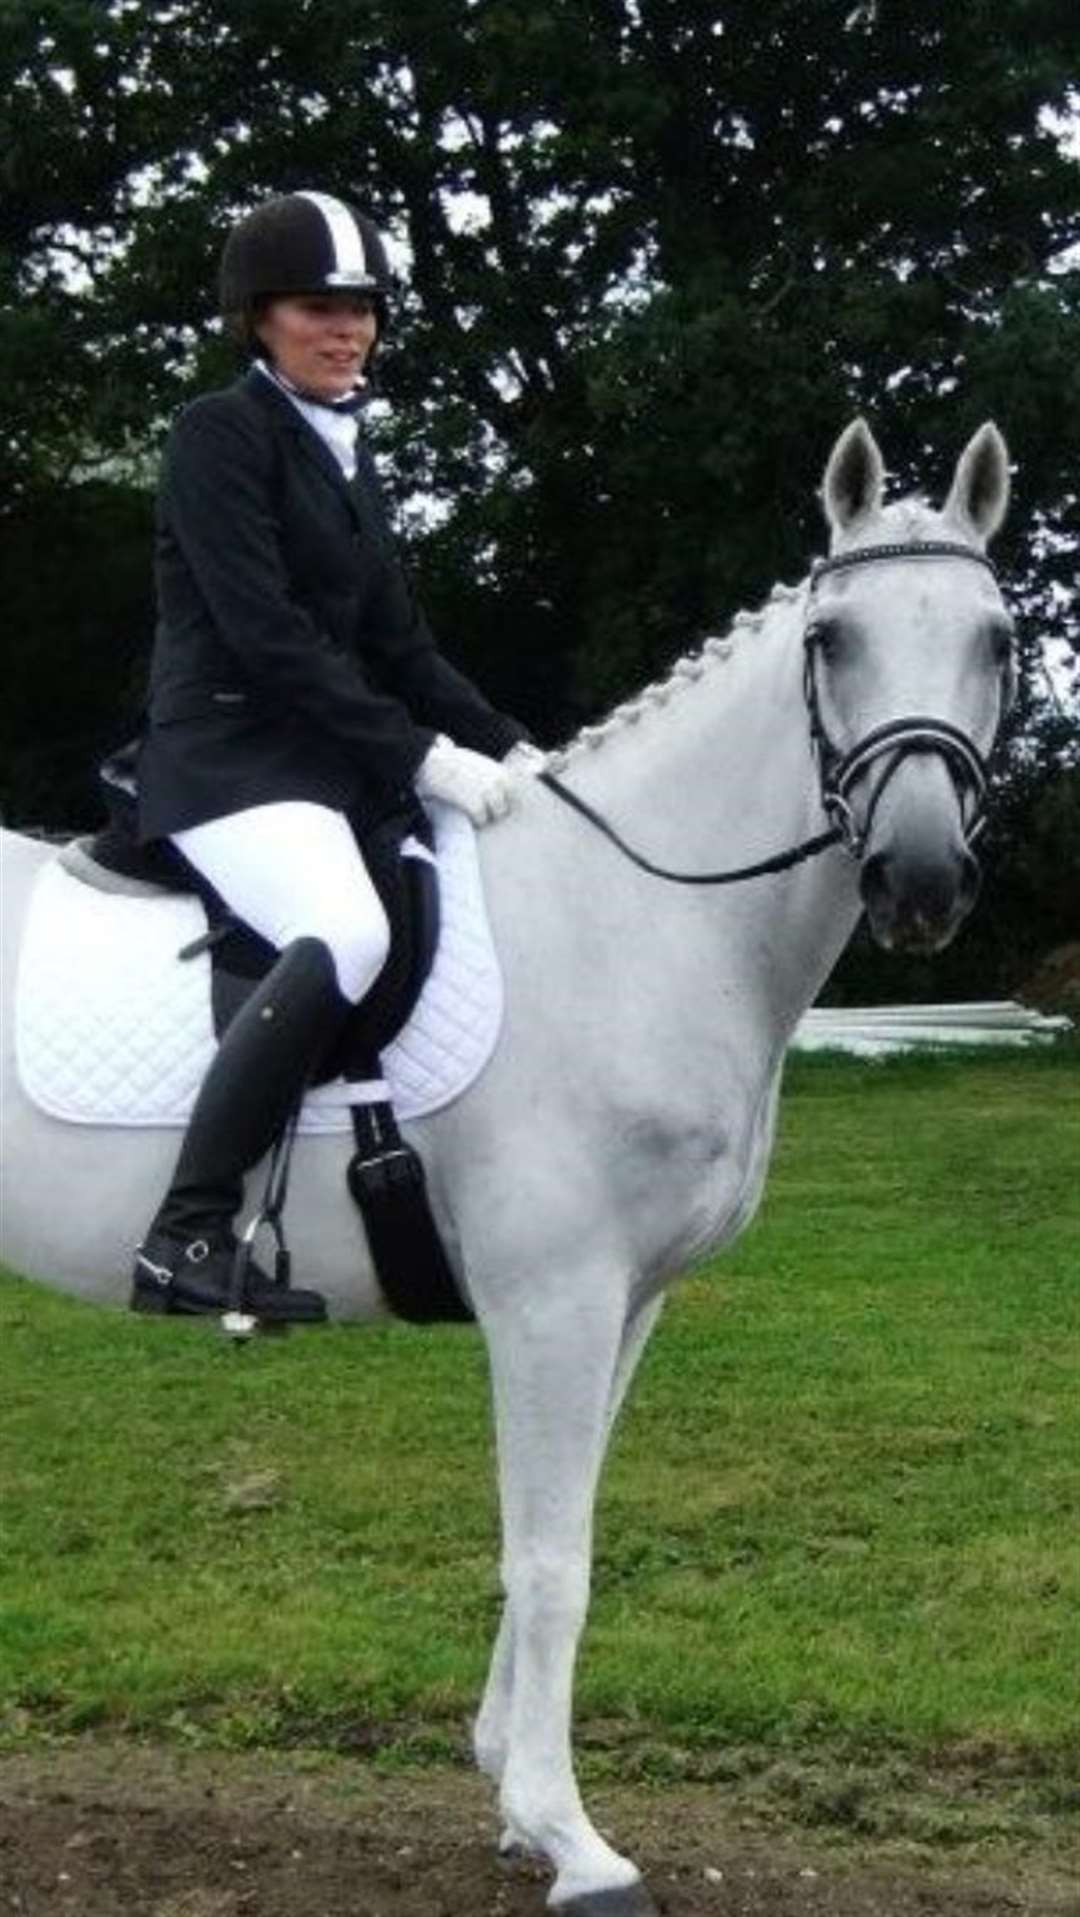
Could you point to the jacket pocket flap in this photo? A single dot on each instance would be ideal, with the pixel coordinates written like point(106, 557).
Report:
point(196, 702)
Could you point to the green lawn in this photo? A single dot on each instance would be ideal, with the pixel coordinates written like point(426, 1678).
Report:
point(841, 1508)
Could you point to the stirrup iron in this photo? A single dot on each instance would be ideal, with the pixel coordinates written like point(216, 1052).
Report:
point(236, 1321)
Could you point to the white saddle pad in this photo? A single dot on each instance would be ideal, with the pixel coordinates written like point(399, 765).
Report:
point(112, 1028)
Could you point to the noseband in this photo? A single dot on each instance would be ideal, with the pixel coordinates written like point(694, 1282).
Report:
point(898, 738)
point(838, 770)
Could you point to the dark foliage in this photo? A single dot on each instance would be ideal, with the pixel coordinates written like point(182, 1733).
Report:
point(658, 253)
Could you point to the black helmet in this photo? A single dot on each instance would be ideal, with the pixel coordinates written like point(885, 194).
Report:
point(303, 243)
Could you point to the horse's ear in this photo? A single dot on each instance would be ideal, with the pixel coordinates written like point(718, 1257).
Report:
point(854, 477)
point(979, 493)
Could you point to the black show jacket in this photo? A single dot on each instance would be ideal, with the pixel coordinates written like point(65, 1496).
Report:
point(290, 659)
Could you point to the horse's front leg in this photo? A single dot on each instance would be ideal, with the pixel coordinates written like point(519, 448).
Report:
point(555, 1367)
point(492, 1728)
point(491, 1732)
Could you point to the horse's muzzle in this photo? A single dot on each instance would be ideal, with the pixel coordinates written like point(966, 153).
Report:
point(919, 879)
point(917, 905)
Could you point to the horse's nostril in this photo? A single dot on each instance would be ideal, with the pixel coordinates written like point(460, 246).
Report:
point(915, 899)
point(873, 879)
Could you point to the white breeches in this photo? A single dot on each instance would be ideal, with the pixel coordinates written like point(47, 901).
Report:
point(293, 870)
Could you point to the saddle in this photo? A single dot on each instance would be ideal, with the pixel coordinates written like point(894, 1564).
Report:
point(384, 1176)
point(399, 857)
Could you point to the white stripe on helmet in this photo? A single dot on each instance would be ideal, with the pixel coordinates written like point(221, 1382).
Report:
point(346, 242)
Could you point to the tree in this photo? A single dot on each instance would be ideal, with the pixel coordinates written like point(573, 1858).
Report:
point(657, 253)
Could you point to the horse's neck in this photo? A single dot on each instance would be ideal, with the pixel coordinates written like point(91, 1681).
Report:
point(715, 760)
point(714, 770)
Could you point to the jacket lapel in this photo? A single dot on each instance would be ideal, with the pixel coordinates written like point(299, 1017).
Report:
point(304, 437)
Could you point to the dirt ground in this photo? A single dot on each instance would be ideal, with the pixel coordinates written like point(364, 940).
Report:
point(120, 1831)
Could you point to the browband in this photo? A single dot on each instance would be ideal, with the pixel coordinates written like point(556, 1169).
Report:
point(915, 549)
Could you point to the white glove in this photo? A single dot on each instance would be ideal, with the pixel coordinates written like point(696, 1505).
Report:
point(479, 786)
point(525, 759)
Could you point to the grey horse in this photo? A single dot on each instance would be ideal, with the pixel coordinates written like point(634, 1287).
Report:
point(623, 1125)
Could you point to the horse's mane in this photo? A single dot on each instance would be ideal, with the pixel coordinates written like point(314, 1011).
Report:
point(688, 667)
point(904, 519)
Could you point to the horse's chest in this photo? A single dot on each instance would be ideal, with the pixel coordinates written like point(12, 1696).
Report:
point(689, 1187)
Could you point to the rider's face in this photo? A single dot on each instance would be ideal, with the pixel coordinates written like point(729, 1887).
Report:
point(319, 341)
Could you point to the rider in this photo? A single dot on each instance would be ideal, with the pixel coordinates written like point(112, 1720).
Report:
point(294, 681)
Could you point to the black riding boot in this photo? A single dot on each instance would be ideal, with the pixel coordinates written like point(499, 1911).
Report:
point(258, 1074)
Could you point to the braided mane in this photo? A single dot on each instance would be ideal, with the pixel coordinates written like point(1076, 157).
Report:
point(906, 518)
point(688, 668)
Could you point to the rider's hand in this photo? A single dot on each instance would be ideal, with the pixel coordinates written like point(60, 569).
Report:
point(479, 786)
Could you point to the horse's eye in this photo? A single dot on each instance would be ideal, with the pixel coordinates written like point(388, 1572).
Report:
point(1001, 637)
point(827, 636)
point(1002, 642)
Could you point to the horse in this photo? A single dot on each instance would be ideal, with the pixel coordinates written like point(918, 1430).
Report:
point(622, 1128)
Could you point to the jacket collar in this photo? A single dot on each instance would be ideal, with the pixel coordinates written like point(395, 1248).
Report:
point(255, 385)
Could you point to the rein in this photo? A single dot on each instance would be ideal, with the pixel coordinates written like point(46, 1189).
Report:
point(838, 771)
point(780, 863)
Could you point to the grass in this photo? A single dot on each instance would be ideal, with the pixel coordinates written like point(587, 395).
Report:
point(840, 1510)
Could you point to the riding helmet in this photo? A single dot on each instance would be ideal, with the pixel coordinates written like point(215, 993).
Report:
point(303, 242)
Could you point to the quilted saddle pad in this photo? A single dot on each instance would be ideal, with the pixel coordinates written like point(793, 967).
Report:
point(112, 1028)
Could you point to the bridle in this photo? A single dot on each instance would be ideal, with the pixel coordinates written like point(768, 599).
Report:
point(838, 771)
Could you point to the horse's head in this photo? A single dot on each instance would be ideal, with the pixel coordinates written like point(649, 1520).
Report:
point(909, 669)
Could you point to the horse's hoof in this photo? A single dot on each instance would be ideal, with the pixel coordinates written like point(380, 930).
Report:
point(630, 1900)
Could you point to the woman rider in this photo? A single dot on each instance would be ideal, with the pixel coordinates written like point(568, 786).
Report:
point(294, 681)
